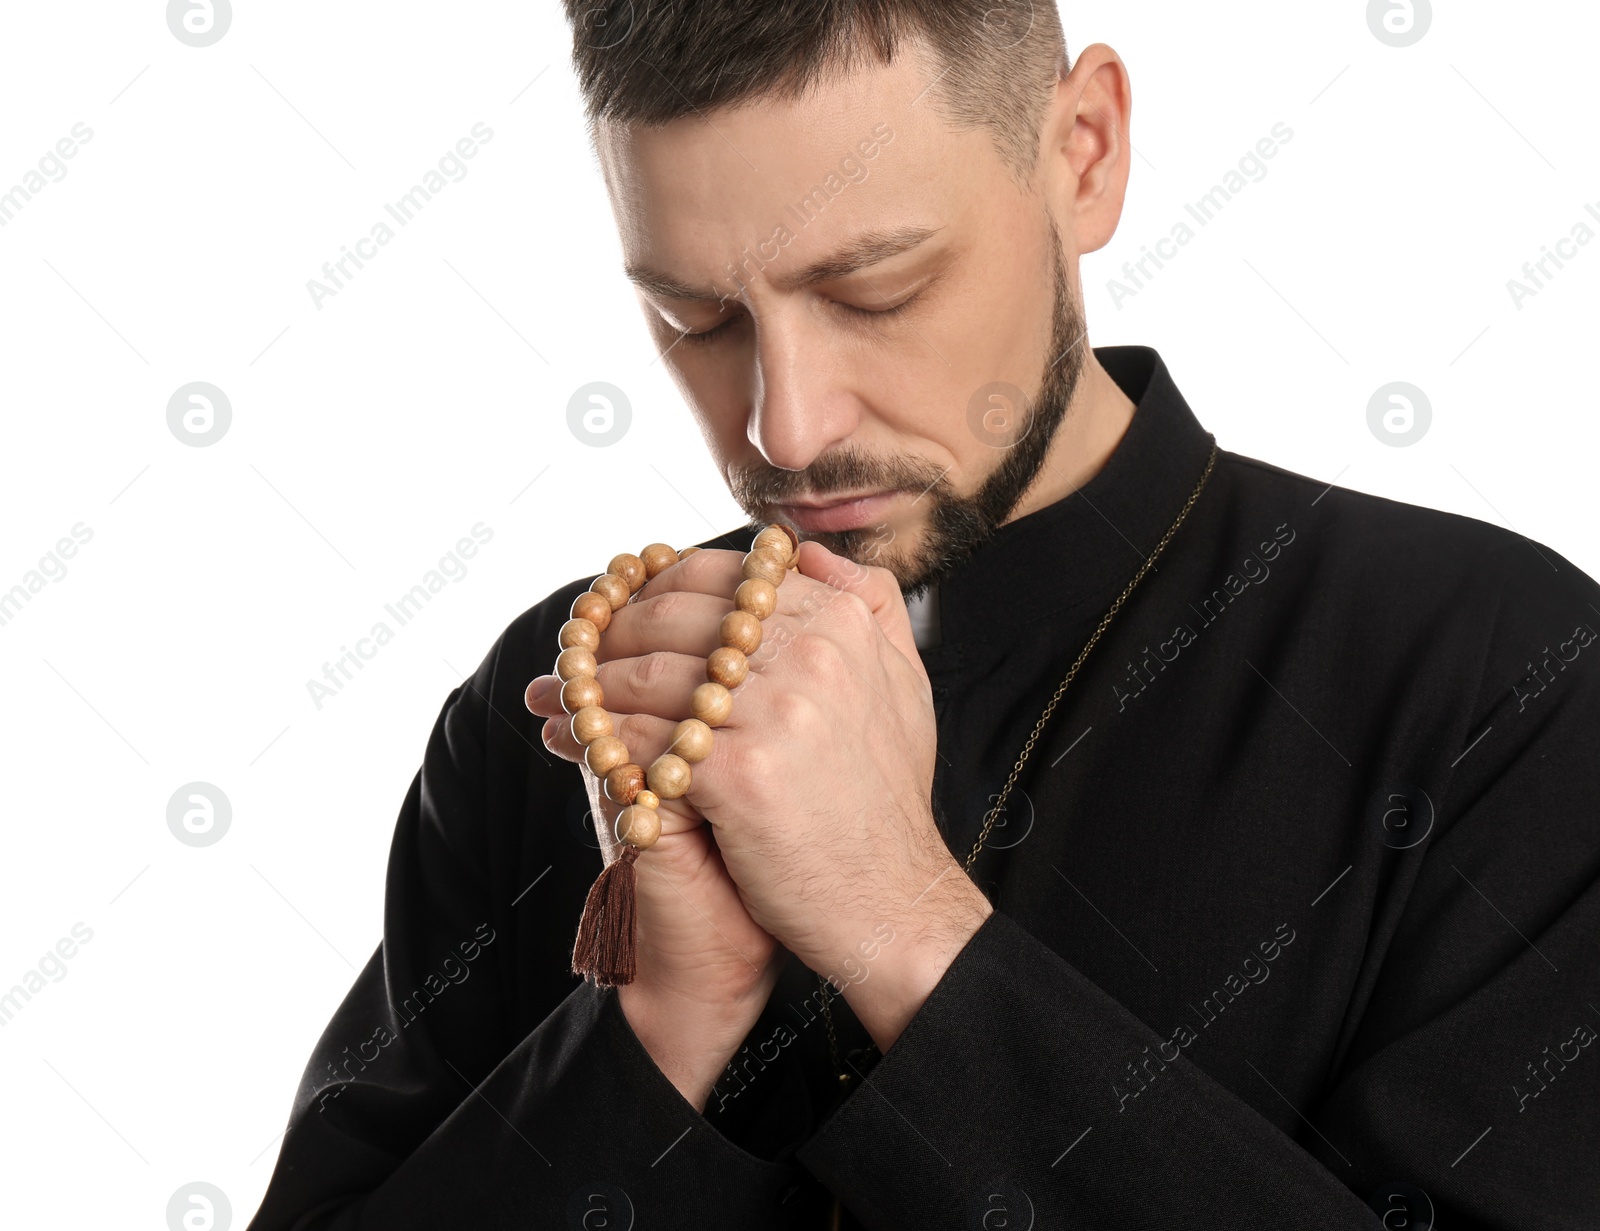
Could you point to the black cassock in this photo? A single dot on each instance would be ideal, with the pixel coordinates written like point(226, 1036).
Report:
point(1296, 922)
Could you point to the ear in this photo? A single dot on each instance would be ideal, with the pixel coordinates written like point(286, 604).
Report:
point(875, 586)
point(1085, 147)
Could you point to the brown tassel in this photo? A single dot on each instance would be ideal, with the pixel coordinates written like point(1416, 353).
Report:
point(606, 950)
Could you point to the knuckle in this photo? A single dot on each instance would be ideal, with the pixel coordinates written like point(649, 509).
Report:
point(792, 710)
point(706, 564)
point(856, 614)
point(557, 735)
point(648, 670)
point(663, 610)
point(634, 730)
point(745, 760)
point(813, 603)
point(807, 648)
point(817, 655)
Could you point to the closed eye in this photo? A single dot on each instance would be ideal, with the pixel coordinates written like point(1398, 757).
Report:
point(894, 311)
point(706, 336)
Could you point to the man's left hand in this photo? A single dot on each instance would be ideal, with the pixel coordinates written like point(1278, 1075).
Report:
point(819, 785)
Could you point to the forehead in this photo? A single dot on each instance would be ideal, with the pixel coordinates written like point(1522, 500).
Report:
point(859, 151)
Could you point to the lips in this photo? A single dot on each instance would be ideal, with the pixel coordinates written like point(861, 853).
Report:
point(840, 515)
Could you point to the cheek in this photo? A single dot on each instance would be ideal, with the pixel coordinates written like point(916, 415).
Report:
point(718, 399)
point(722, 428)
point(971, 402)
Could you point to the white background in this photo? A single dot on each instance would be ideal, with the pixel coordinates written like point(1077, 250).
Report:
point(430, 394)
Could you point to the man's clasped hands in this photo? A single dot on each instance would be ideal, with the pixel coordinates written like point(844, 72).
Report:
point(807, 828)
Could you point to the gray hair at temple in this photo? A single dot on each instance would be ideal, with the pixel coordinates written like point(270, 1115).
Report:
point(649, 62)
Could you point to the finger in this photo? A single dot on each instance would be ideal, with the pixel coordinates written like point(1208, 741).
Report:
point(715, 571)
point(679, 621)
point(645, 736)
point(661, 684)
point(875, 586)
point(632, 729)
point(676, 816)
point(680, 610)
point(677, 625)
point(711, 570)
point(690, 621)
point(719, 572)
point(683, 625)
point(543, 696)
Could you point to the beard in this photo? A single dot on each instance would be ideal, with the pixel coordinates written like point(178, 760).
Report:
point(957, 525)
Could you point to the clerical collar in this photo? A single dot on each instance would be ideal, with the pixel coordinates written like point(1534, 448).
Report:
point(1055, 557)
point(924, 613)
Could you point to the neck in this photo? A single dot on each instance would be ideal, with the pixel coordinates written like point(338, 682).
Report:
point(1096, 418)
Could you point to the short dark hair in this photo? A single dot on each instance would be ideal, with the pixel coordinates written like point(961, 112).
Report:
point(648, 62)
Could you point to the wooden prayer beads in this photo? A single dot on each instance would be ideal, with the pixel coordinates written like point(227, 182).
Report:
point(605, 948)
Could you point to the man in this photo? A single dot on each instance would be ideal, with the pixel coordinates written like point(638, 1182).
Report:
point(1284, 909)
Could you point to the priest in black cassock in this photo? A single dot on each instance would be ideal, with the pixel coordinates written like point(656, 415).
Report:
point(1179, 841)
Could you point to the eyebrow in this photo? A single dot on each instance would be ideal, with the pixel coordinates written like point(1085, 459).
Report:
point(860, 252)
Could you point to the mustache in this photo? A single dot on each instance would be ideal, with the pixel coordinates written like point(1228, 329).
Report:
point(759, 486)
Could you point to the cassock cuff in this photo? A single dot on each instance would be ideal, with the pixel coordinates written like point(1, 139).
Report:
point(750, 1190)
point(896, 1135)
point(579, 1112)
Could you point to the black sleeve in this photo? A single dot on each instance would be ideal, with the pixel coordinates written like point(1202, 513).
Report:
point(422, 1107)
point(992, 1102)
point(1470, 1071)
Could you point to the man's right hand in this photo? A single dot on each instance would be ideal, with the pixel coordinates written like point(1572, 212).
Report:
point(705, 968)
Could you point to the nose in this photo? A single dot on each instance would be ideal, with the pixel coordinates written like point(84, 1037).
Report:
point(803, 403)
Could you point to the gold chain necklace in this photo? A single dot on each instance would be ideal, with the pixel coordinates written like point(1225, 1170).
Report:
point(825, 989)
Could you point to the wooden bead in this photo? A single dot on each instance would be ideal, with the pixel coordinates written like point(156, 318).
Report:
point(727, 667)
point(630, 568)
point(624, 782)
point(773, 540)
point(711, 703)
point(668, 776)
point(581, 691)
point(781, 541)
point(759, 598)
point(764, 565)
point(647, 798)
point(579, 635)
point(687, 552)
point(657, 557)
point(590, 606)
point(570, 664)
point(611, 588)
point(590, 723)
point(741, 630)
point(691, 740)
point(604, 755)
point(639, 826)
